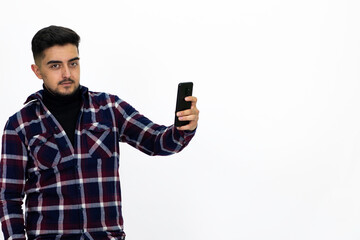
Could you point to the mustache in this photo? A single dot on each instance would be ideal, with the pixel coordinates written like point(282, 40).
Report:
point(66, 80)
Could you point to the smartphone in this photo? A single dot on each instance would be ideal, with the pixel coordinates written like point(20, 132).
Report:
point(184, 89)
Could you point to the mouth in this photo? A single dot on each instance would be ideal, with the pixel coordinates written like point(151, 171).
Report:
point(66, 82)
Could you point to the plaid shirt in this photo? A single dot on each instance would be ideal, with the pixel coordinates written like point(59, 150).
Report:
point(73, 190)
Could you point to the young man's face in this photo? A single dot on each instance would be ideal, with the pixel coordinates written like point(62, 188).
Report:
point(59, 68)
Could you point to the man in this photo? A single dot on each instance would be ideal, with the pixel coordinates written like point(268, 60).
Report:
point(61, 150)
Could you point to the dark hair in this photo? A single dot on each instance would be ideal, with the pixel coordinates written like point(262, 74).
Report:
point(51, 36)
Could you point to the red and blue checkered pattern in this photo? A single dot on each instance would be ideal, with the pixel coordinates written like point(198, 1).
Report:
point(73, 190)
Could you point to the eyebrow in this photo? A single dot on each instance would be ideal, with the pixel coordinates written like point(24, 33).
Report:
point(57, 61)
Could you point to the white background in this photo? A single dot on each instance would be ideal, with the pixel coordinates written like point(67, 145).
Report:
point(276, 154)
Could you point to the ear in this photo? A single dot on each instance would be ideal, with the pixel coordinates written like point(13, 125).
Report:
point(36, 70)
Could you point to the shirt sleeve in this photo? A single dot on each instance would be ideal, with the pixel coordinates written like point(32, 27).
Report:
point(12, 181)
point(150, 138)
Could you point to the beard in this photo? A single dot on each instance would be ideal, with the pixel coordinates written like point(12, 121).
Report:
point(64, 94)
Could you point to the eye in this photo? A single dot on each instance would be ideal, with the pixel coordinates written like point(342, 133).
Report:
point(74, 64)
point(55, 66)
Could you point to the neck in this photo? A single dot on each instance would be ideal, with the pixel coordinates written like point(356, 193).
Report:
point(65, 109)
point(58, 99)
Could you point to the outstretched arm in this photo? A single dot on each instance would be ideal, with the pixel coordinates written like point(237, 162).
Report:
point(151, 138)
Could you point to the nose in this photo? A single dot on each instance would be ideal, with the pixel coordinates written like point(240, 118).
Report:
point(66, 72)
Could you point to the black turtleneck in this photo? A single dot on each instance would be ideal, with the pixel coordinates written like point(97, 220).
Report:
point(65, 109)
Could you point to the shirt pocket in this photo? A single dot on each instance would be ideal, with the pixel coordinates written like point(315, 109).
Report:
point(99, 140)
point(44, 150)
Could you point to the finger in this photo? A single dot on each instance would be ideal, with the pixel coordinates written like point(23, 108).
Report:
point(183, 128)
point(184, 113)
point(189, 127)
point(188, 118)
point(191, 99)
point(192, 111)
